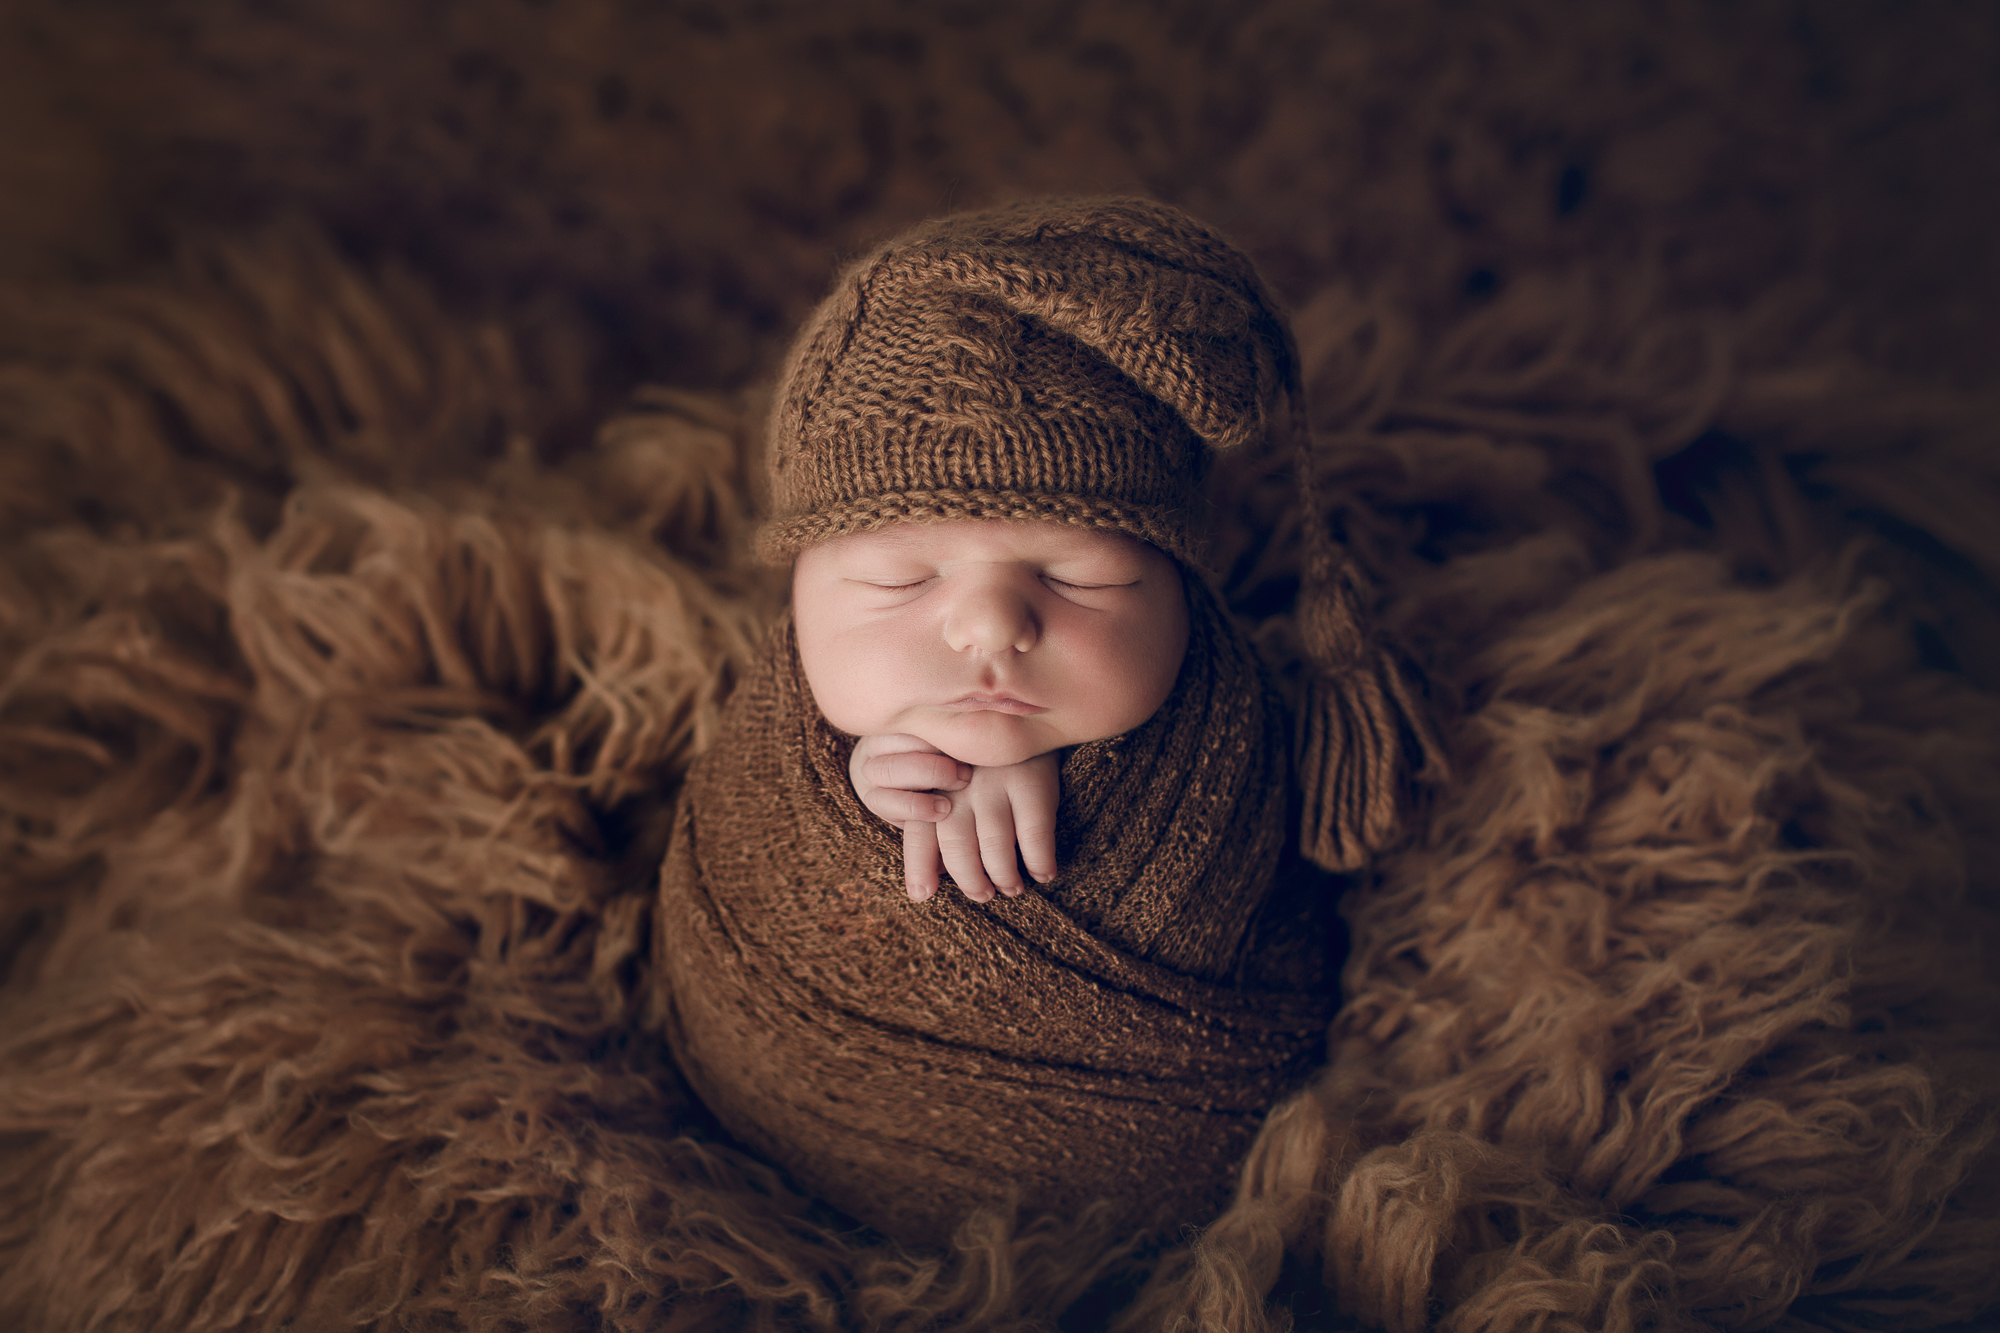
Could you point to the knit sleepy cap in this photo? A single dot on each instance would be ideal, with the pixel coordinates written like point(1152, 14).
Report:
point(1073, 361)
point(1081, 361)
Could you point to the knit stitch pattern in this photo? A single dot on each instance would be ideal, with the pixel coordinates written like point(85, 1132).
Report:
point(1112, 1038)
point(1074, 361)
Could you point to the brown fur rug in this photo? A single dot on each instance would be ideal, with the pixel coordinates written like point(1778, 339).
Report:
point(357, 627)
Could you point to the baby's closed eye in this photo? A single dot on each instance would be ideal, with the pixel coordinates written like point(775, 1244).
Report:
point(1086, 585)
point(894, 583)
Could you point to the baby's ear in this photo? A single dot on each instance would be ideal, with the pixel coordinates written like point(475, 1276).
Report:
point(1365, 736)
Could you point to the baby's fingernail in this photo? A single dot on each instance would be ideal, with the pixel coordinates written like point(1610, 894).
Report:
point(965, 772)
point(1011, 890)
point(940, 807)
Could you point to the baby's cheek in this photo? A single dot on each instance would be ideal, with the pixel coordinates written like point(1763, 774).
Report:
point(831, 680)
point(1129, 681)
point(858, 683)
point(851, 702)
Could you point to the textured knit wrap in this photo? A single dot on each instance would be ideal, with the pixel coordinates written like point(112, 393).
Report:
point(1115, 1034)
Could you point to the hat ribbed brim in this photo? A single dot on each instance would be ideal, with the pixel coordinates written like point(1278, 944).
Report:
point(1156, 525)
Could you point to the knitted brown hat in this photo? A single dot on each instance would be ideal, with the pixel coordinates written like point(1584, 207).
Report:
point(1077, 361)
point(1067, 360)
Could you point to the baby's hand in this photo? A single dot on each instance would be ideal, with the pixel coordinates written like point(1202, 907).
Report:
point(999, 809)
point(975, 835)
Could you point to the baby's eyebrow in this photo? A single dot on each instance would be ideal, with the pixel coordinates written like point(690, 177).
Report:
point(899, 546)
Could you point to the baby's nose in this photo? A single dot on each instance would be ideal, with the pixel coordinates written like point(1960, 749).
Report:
point(991, 620)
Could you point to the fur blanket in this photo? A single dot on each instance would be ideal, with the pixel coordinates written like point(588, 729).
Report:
point(358, 631)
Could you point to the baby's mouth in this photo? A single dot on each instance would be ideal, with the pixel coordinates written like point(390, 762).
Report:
point(980, 701)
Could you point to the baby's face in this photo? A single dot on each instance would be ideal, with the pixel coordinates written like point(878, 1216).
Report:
point(993, 641)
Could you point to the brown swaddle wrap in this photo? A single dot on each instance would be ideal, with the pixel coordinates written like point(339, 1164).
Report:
point(1117, 1033)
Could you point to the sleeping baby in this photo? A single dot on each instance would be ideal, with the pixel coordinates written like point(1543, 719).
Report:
point(987, 460)
point(966, 655)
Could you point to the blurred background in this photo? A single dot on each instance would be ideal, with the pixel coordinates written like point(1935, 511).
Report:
point(652, 190)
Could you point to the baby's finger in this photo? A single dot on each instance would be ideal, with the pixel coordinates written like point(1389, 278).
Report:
point(958, 845)
point(920, 860)
point(994, 817)
point(900, 807)
point(1034, 811)
point(914, 770)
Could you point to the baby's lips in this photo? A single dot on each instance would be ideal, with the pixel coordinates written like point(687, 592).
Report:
point(994, 701)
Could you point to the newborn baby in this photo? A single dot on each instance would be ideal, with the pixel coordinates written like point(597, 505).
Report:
point(986, 462)
point(966, 655)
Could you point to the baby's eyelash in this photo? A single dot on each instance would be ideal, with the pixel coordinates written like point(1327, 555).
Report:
point(1083, 587)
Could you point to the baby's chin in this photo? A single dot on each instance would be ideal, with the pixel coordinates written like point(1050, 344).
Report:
point(992, 740)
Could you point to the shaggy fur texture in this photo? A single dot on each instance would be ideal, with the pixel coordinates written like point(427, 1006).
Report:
point(354, 648)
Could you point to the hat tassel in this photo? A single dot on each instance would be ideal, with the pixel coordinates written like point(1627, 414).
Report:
point(1364, 735)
